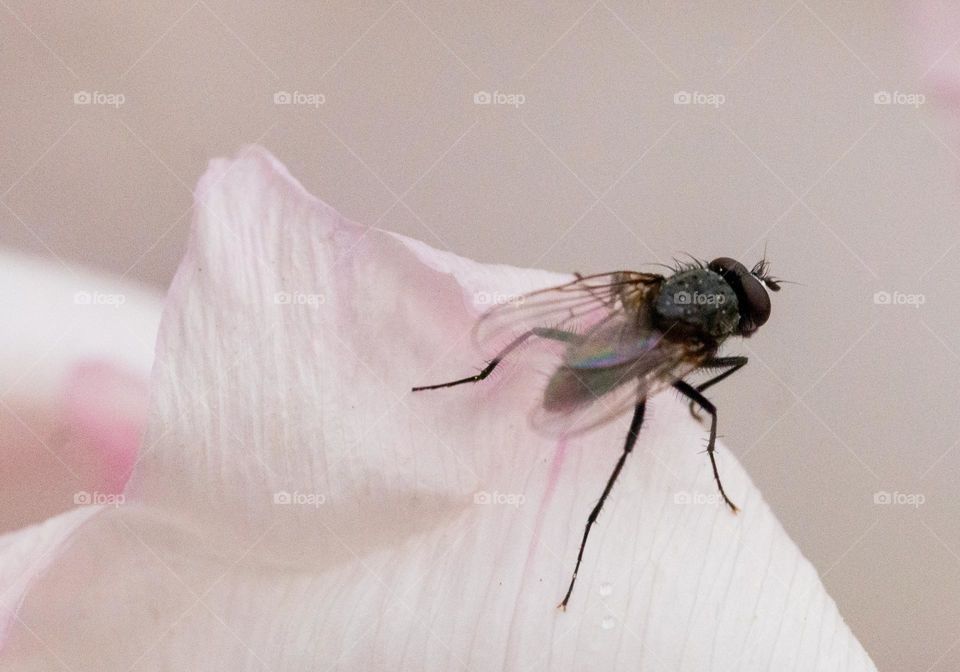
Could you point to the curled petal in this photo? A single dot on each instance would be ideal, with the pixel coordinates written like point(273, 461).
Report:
point(297, 508)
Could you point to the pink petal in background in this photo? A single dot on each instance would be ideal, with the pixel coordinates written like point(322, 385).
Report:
point(73, 385)
point(105, 413)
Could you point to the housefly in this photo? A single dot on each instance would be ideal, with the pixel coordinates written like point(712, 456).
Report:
point(620, 338)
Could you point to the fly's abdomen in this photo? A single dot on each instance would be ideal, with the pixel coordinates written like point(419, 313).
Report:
point(570, 388)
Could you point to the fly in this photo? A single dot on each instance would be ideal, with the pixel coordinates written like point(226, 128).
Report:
point(622, 337)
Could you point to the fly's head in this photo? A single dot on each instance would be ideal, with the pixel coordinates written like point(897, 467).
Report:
point(715, 300)
point(750, 287)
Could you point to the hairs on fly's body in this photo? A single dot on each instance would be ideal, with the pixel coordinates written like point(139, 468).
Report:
point(680, 265)
point(760, 270)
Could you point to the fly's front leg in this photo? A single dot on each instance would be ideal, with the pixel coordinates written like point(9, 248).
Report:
point(551, 334)
point(695, 395)
point(735, 363)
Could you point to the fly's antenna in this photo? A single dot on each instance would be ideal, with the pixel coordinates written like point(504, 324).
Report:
point(761, 271)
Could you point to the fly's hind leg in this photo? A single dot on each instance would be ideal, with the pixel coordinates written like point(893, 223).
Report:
point(541, 332)
point(694, 395)
point(632, 434)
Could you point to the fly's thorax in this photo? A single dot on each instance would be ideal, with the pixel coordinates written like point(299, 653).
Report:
point(697, 302)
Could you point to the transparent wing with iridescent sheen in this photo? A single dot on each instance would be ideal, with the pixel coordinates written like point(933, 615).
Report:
point(615, 365)
point(603, 354)
point(573, 307)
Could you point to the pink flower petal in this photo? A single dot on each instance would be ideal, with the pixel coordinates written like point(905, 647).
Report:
point(74, 360)
point(938, 24)
point(296, 507)
point(105, 409)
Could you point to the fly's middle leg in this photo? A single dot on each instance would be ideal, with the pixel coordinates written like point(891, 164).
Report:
point(541, 332)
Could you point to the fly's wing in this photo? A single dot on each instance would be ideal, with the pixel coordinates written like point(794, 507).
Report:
point(571, 308)
point(615, 365)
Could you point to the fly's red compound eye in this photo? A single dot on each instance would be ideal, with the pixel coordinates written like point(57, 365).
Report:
point(757, 308)
point(751, 294)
